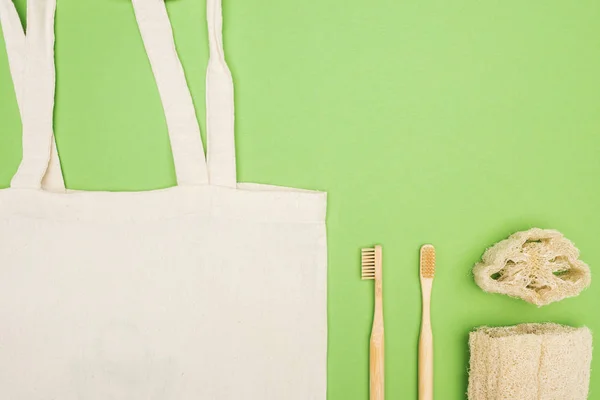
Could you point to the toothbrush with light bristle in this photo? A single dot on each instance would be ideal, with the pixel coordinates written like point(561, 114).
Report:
point(427, 271)
point(371, 269)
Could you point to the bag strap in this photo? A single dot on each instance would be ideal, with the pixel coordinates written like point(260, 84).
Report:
point(219, 104)
point(191, 166)
point(184, 131)
point(39, 85)
point(18, 51)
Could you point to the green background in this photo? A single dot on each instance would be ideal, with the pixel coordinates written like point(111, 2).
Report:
point(455, 123)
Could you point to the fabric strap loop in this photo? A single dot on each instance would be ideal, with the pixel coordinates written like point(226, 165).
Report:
point(39, 168)
point(184, 131)
point(32, 66)
point(219, 104)
point(219, 166)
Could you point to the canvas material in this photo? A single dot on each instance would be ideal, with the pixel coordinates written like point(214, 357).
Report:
point(17, 54)
point(207, 290)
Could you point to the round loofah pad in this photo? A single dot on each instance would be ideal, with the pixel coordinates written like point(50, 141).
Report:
point(540, 266)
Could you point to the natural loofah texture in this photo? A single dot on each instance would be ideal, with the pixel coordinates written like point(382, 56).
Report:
point(540, 266)
point(530, 362)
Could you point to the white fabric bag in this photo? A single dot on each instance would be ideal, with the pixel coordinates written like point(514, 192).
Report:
point(207, 290)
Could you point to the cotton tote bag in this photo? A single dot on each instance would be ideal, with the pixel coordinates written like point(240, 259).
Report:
point(207, 290)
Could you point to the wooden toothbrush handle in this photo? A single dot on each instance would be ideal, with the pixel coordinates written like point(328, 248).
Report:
point(377, 362)
point(377, 351)
point(426, 363)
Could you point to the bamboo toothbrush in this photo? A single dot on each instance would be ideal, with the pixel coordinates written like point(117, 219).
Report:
point(427, 271)
point(371, 269)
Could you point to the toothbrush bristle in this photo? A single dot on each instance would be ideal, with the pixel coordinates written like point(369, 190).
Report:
point(427, 261)
point(368, 263)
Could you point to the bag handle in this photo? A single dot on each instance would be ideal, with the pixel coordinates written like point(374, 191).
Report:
point(40, 166)
point(219, 104)
point(156, 31)
point(184, 131)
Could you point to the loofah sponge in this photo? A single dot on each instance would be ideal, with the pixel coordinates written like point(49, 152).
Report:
point(539, 266)
point(530, 362)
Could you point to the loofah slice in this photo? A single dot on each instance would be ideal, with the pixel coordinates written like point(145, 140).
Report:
point(530, 362)
point(539, 266)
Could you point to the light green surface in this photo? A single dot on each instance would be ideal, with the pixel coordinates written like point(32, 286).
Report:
point(455, 123)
